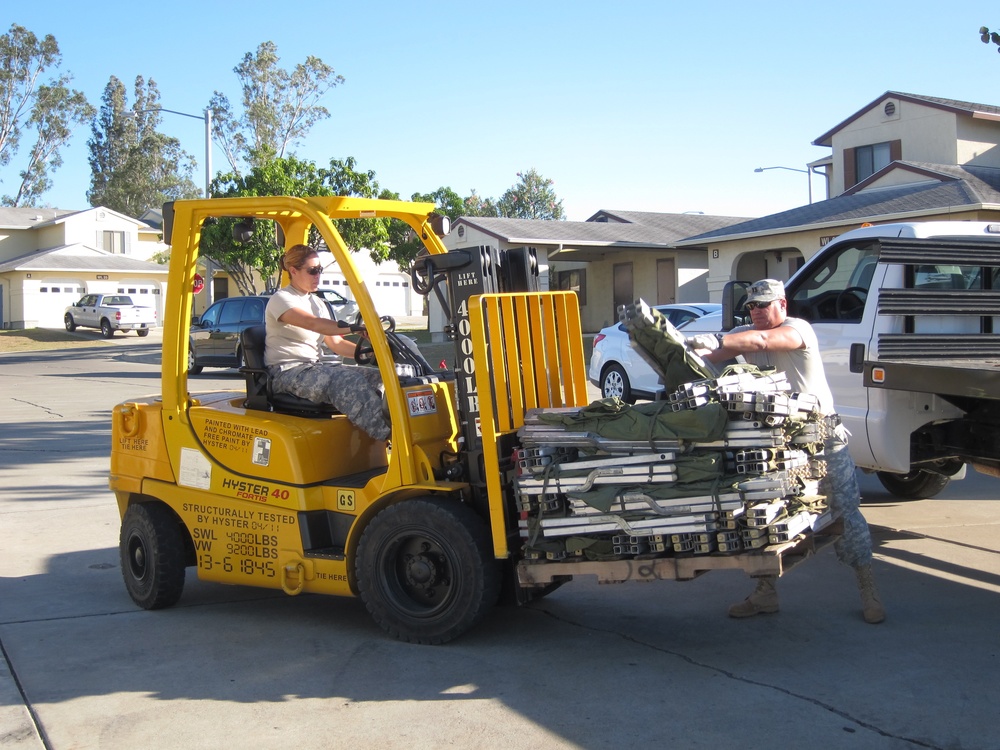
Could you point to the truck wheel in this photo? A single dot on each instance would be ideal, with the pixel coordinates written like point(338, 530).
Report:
point(151, 548)
point(142, 332)
point(106, 330)
point(917, 485)
point(426, 571)
point(70, 323)
point(614, 382)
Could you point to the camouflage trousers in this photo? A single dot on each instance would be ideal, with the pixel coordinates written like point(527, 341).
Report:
point(353, 391)
point(840, 485)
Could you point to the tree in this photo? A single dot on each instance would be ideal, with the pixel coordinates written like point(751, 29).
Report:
point(290, 176)
point(279, 107)
point(531, 198)
point(49, 109)
point(476, 205)
point(404, 245)
point(259, 256)
point(133, 166)
point(986, 36)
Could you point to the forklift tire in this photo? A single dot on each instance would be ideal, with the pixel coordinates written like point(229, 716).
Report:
point(151, 548)
point(426, 571)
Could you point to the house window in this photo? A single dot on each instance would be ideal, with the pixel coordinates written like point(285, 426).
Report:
point(113, 242)
point(573, 281)
point(870, 159)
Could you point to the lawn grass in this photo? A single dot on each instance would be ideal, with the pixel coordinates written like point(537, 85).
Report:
point(38, 339)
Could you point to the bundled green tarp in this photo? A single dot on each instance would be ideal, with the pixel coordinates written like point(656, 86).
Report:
point(663, 343)
point(614, 419)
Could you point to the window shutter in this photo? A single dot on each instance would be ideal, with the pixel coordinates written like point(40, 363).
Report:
point(895, 150)
point(850, 169)
point(127, 244)
point(99, 244)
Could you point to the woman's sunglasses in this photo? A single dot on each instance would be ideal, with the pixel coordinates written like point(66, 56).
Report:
point(314, 270)
point(761, 305)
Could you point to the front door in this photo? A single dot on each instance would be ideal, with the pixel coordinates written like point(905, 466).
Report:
point(623, 289)
point(666, 282)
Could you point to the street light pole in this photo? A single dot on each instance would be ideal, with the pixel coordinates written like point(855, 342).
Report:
point(808, 173)
point(208, 141)
point(209, 285)
point(207, 117)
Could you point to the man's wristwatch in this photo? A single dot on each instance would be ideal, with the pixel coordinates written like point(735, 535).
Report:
point(718, 338)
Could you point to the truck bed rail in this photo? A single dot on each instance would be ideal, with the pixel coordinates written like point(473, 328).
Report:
point(923, 251)
point(975, 346)
point(939, 302)
point(963, 365)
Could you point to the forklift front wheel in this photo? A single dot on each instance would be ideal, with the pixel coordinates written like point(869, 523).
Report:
point(426, 571)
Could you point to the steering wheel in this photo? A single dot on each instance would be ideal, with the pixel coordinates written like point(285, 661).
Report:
point(850, 303)
point(364, 352)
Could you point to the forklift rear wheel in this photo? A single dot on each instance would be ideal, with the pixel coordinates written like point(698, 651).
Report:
point(152, 555)
point(426, 570)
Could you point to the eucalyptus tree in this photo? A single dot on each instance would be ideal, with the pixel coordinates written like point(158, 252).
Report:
point(278, 107)
point(133, 166)
point(35, 111)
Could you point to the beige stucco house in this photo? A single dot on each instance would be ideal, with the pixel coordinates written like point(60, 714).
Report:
point(902, 157)
point(50, 257)
point(611, 259)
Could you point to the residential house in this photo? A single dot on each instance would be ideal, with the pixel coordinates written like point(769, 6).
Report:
point(611, 259)
point(50, 257)
point(902, 157)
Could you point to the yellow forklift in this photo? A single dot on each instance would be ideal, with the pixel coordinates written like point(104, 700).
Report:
point(253, 491)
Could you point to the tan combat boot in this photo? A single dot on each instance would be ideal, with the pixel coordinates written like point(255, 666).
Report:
point(871, 602)
point(764, 600)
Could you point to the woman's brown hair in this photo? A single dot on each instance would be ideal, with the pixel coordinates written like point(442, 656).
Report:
point(296, 256)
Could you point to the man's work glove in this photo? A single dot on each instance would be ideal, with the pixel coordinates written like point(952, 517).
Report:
point(704, 342)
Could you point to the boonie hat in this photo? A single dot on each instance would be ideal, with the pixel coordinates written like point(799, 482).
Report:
point(766, 290)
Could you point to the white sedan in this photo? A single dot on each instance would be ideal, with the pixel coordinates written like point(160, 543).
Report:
point(618, 370)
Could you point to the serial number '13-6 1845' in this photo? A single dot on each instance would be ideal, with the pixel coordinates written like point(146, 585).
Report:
point(421, 402)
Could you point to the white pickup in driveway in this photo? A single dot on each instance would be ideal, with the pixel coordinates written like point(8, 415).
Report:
point(110, 313)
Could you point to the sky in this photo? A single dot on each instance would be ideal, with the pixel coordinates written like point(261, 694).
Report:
point(641, 106)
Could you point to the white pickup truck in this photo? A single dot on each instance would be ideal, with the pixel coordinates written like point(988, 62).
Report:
point(906, 316)
point(110, 313)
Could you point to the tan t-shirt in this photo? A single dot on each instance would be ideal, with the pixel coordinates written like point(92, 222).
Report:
point(290, 345)
point(802, 367)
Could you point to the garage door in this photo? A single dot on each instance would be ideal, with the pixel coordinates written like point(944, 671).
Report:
point(54, 297)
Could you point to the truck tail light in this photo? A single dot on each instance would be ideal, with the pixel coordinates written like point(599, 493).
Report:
point(118, 314)
point(598, 338)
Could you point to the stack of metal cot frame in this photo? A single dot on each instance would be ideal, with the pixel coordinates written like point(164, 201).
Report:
point(610, 497)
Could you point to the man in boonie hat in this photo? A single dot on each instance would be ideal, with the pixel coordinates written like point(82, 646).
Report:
point(773, 339)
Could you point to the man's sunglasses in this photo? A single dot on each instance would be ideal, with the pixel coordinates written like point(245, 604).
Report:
point(761, 305)
point(314, 270)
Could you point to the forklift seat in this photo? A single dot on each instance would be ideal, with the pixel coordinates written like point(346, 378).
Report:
point(260, 395)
